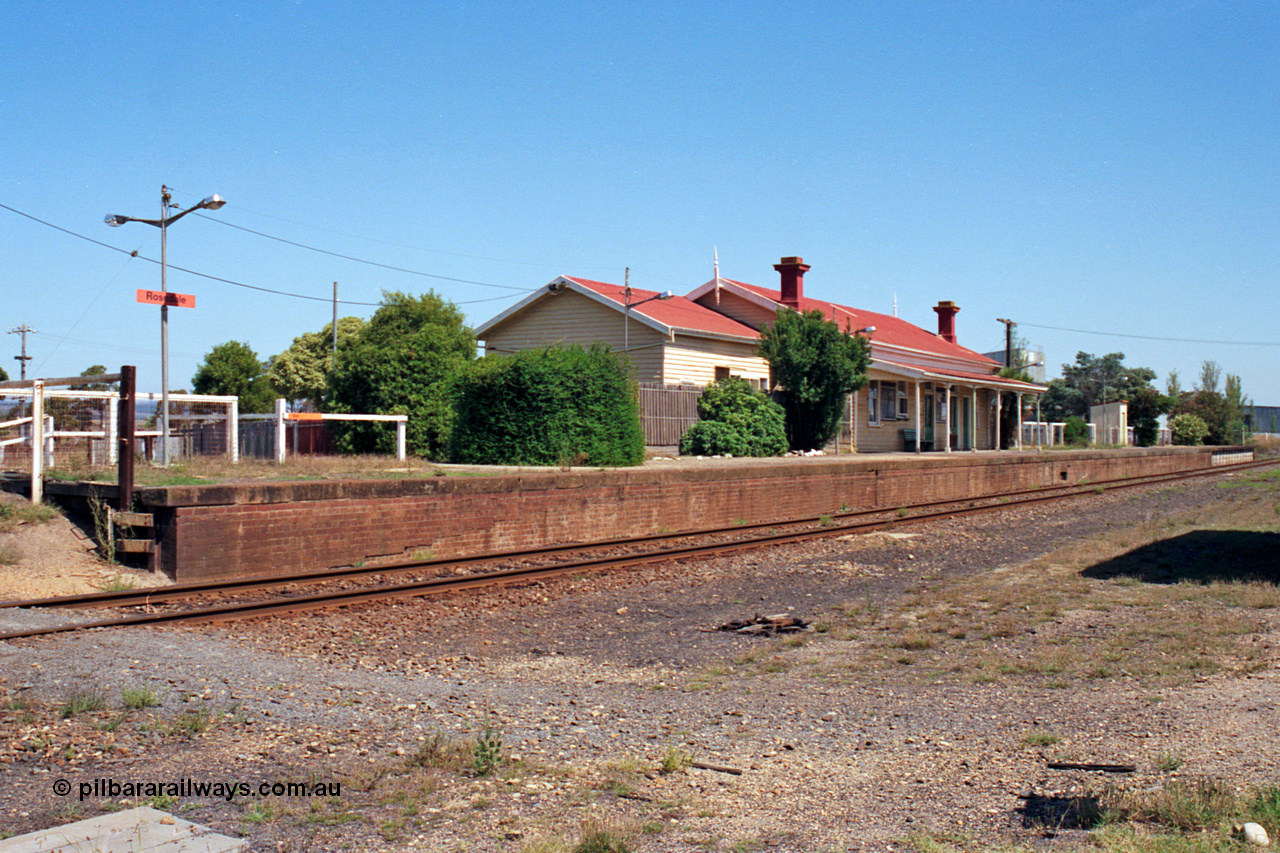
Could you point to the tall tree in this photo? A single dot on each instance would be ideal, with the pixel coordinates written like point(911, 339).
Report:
point(301, 373)
point(401, 363)
point(818, 365)
point(233, 370)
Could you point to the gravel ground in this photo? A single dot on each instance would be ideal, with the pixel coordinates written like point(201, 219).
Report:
point(592, 682)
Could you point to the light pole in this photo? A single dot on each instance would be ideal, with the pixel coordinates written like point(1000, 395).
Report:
point(627, 305)
point(213, 202)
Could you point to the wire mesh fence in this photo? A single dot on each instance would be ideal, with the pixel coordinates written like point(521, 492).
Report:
point(80, 427)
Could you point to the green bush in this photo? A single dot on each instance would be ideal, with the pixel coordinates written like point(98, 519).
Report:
point(712, 438)
point(1075, 431)
point(737, 420)
point(552, 406)
point(1188, 429)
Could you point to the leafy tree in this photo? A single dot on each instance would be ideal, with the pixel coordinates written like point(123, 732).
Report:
point(738, 420)
point(818, 365)
point(234, 370)
point(553, 406)
point(1061, 401)
point(1222, 413)
point(401, 363)
point(1075, 431)
point(301, 373)
point(94, 370)
point(1146, 405)
point(4, 375)
point(1188, 429)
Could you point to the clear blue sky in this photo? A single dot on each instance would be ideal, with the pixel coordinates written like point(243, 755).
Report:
point(1108, 167)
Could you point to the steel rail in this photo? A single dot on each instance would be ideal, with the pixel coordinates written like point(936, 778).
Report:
point(180, 592)
point(328, 600)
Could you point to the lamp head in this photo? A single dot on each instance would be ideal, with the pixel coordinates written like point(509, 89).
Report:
point(115, 221)
point(213, 202)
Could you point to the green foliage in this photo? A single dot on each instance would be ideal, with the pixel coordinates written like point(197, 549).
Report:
point(94, 370)
point(817, 365)
point(1188, 429)
point(1222, 411)
point(1092, 380)
point(233, 370)
point(487, 755)
point(713, 438)
point(301, 373)
point(552, 406)
point(1146, 405)
point(401, 362)
point(737, 420)
point(1075, 431)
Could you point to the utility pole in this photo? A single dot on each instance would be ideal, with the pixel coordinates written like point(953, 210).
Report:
point(1008, 341)
point(23, 330)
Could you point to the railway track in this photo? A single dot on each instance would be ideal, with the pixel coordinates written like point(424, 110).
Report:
point(572, 558)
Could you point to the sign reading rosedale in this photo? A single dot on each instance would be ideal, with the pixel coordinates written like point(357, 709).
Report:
point(159, 297)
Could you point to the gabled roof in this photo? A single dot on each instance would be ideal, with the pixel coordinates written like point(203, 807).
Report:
point(677, 315)
point(890, 331)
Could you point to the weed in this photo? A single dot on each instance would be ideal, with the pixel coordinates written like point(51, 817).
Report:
point(1167, 762)
point(193, 721)
point(603, 838)
point(902, 512)
point(1040, 737)
point(117, 583)
point(10, 554)
point(111, 725)
point(674, 760)
point(163, 802)
point(916, 642)
point(439, 752)
point(81, 700)
point(263, 812)
point(423, 554)
point(487, 754)
point(825, 521)
point(101, 512)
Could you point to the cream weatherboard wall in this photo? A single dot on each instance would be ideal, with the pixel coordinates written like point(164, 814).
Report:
point(571, 318)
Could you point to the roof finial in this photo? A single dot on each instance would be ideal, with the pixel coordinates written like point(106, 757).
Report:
point(716, 254)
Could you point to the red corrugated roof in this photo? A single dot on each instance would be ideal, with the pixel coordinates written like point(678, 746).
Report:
point(676, 312)
point(890, 330)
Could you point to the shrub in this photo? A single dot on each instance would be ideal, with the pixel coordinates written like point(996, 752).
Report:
point(712, 438)
point(1075, 431)
point(1188, 429)
point(737, 420)
point(553, 406)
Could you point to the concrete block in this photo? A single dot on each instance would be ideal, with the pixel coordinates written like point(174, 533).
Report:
point(140, 830)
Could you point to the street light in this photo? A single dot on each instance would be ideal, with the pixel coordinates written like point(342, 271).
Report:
point(627, 305)
point(213, 202)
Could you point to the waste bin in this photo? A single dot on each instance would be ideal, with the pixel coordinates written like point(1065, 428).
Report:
point(908, 441)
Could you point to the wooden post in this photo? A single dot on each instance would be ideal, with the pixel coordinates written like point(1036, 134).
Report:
point(127, 415)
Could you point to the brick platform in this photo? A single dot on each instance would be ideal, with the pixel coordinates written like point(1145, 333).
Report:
point(241, 530)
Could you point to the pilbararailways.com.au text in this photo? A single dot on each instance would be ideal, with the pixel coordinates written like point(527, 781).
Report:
point(189, 788)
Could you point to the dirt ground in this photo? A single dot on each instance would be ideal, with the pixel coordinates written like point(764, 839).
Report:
point(948, 666)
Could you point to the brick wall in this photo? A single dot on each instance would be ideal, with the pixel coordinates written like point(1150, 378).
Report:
point(224, 531)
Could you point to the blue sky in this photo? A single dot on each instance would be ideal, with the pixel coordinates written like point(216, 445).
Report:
point(1104, 167)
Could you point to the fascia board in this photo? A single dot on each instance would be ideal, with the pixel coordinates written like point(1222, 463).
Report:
point(736, 290)
point(541, 293)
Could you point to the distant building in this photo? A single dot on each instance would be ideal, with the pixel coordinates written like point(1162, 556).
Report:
point(1033, 362)
point(925, 391)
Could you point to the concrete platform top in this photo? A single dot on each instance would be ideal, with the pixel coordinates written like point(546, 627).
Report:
point(140, 830)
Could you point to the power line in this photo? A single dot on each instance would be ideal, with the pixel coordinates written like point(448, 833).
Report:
point(1154, 337)
point(358, 260)
point(134, 254)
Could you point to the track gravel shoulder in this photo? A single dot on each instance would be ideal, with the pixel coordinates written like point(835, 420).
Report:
point(594, 681)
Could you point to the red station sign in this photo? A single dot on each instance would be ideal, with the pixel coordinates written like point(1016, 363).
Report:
point(158, 297)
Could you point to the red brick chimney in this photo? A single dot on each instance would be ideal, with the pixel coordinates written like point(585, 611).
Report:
point(793, 270)
point(947, 320)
